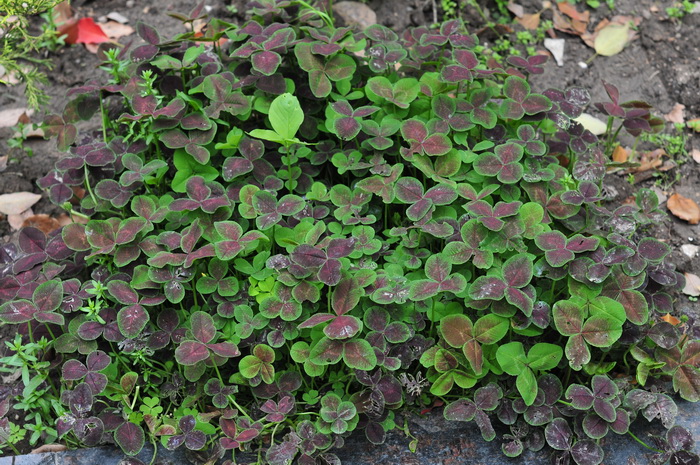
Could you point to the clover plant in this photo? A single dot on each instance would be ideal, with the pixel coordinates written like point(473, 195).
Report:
point(287, 231)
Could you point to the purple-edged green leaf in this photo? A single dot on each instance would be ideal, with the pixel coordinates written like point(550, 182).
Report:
point(132, 320)
point(130, 438)
point(48, 296)
point(581, 397)
point(594, 426)
point(488, 287)
point(558, 434)
point(203, 328)
point(346, 296)
point(416, 132)
point(191, 352)
point(587, 452)
point(359, 355)
point(423, 289)
point(460, 410)
point(343, 327)
point(17, 311)
point(456, 329)
point(327, 351)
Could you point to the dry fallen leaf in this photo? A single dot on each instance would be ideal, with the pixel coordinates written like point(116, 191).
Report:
point(620, 154)
point(3, 162)
point(611, 40)
point(17, 202)
point(115, 30)
point(62, 13)
point(571, 11)
point(10, 117)
point(530, 21)
point(648, 161)
point(692, 285)
point(49, 448)
point(17, 221)
point(684, 208)
point(568, 19)
point(695, 153)
point(670, 319)
point(677, 114)
point(589, 38)
point(42, 222)
point(516, 9)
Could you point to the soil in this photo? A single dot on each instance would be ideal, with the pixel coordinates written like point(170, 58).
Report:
point(659, 66)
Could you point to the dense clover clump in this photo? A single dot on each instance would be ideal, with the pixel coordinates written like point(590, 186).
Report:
point(293, 230)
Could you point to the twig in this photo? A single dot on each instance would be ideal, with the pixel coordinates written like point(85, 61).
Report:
point(434, 12)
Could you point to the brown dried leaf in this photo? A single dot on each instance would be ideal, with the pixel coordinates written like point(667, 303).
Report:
point(695, 153)
point(684, 208)
point(692, 285)
point(45, 448)
point(670, 319)
point(17, 221)
point(43, 222)
point(564, 24)
point(516, 9)
point(529, 21)
point(62, 13)
point(11, 117)
point(620, 154)
point(115, 30)
point(571, 11)
point(17, 202)
point(677, 114)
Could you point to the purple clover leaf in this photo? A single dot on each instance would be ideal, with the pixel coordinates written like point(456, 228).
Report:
point(192, 439)
point(438, 271)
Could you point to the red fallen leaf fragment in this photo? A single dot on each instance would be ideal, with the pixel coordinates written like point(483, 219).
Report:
point(84, 31)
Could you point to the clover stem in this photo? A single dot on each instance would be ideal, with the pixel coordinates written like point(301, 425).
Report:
point(644, 443)
point(155, 450)
point(50, 332)
point(105, 119)
point(565, 403)
point(87, 184)
point(231, 399)
point(29, 332)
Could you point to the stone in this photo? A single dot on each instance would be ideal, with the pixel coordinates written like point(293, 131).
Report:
point(690, 250)
point(355, 14)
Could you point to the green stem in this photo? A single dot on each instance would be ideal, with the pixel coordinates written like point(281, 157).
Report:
point(644, 443)
point(231, 399)
point(105, 119)
point(87, 184)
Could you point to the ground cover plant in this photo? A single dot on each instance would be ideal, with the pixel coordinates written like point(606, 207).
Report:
point(302, 230)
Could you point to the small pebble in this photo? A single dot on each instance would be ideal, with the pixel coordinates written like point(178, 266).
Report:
point(582, 65)
point(102, 19)
point(690, 250)
point(130, 3)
